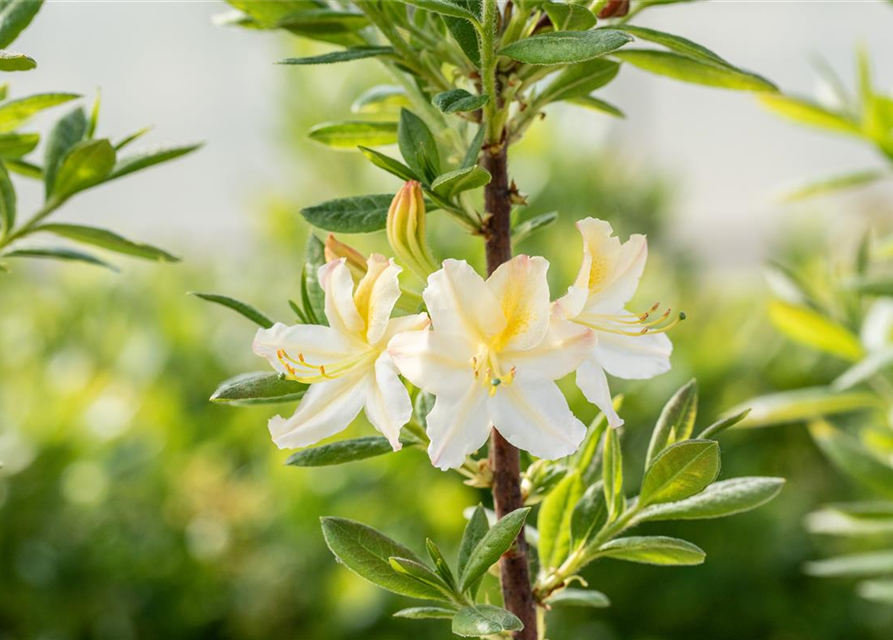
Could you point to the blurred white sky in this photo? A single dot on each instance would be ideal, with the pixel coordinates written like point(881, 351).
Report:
point(164, 63)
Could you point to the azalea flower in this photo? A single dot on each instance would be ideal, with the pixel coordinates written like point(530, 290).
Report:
point(346, 363)
point(629, 345)
point(491, 360)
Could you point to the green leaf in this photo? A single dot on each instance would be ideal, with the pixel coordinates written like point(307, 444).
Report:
point(367, 552)
point(566, 47)
point(595, 104)
point(15, 145)
point(721, 499)
point(554, 520)
point(355, 214)
point(149, 157)
point(60, 253)
point(876, 590)
point(7, 202)
point(312, 294)
point(21, 167)
point(880, 285)
point(380, 98)
point(474, 149)
point(239, 307)
point(809, 113)
point(676, 43)
point(870, 563)
point(350, 134)
point(580, 80)
point(587, 458)
point(810, 328)
point(804, 404)
point(67, 132)
point(346, 55)
point(445, 8)
point(680, 67)
point(422, 574)
point(612, 474)
point(86, 165)
point(680, 471)
point(14, 17)
point(417, 146)
point(14, 61)
point(258, 388)
point(676, 421)
point(459, 100)
point(389, 164)
point(722, 424)
point(578, 598)
point(94, 116)
point(853, 459)
point(424, 613)
point(533, 225)
point(827, 186)
point(589, 515)
point(341, 452)
point(441, 566)
point(658, 550)
point(495, 542)
point(455, 182)
point(107, 240)
point(569, 17)
point(475, 531)
point(864, 370)
point(484, 620)
point(464, 32)
point(15, 113)
point(136, 135)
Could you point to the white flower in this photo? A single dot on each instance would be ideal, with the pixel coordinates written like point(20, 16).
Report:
point(491, 359)
point(346, 364)
point(629, 345)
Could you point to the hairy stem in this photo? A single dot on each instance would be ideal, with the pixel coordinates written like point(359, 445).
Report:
point(505, 460)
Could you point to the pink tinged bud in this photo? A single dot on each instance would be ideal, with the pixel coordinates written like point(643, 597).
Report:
point(355, 261)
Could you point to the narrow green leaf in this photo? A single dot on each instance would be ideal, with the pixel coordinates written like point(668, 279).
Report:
point(349, 135)
point(853, 459)
point(658, 550)
point(424, 613)
point(15, 61)
point(809, 113)
point(7, 202)
point(676, 420)
point(554, 520)
point(441, 566)
point(589, 515)
point(680, 471)
point(722, 424)
point(312, 294)
point(827, 186)
point(569, 17)
point(86, 165)
point(346, 55)
point(450, 184)
point(474, 149)
point(863, 564)
point(578, 598)
point(445, 8)
point(595, 104)
point(107, 240)
point(380, 98)
point(417, 146)
point(94, 116)
point(258, 388)
point(484, 620)
point(136, 135)
point(804, 404)
point(355, 214)
point(876, 590)
point(15, 113)
point(459, 100)
point(464, 31)
point(812, 329)
point(21, 167)
point(149, 157)
point(341, 452)
point(566, 47)
point(16, 145)
point(676, 43)
point(533, 225)
point(420, 573)
point(495, 542)
point(239, 307)
point(721, 499)
point(14, 17)
point(696, 71)
point(389, 164)
point(367, 552)
point(864, 370)
point(60, 253)
point(475, 531)
point(612, 474)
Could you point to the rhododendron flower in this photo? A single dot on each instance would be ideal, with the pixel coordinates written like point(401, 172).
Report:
point(346, 364)
point(629, 345)
point(491, 358)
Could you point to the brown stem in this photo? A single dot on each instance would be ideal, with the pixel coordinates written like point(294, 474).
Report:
point(505, 460)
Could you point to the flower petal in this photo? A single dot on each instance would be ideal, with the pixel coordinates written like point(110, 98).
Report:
point(459, 301)
point(326, 409)
point(593, 382)
point(388, 406)
point(600, 254)
point(341, 311)
point(437, 361)
point(624, 281)
point(534, 416)
point(634, 357)
point(403, 324)
point(521, 287)
point(376, 295)
point(457, 426)
point(317, 343)
point(563, 348)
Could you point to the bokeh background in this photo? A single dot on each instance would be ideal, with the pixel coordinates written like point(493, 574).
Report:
point(131, 507)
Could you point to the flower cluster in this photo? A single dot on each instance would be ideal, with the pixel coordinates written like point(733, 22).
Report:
point(489, 353)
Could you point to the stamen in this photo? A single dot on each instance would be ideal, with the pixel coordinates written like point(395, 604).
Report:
point(626, 324)
point(320, 372)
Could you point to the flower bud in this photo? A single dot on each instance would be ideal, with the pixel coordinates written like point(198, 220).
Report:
point(355, 260)
point(614, 9)
point(406, 230)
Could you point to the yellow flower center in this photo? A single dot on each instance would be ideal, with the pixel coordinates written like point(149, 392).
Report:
point(489, 372)
point(302, 371)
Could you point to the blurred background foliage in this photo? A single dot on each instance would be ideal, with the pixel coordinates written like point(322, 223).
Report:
point(131, 507)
